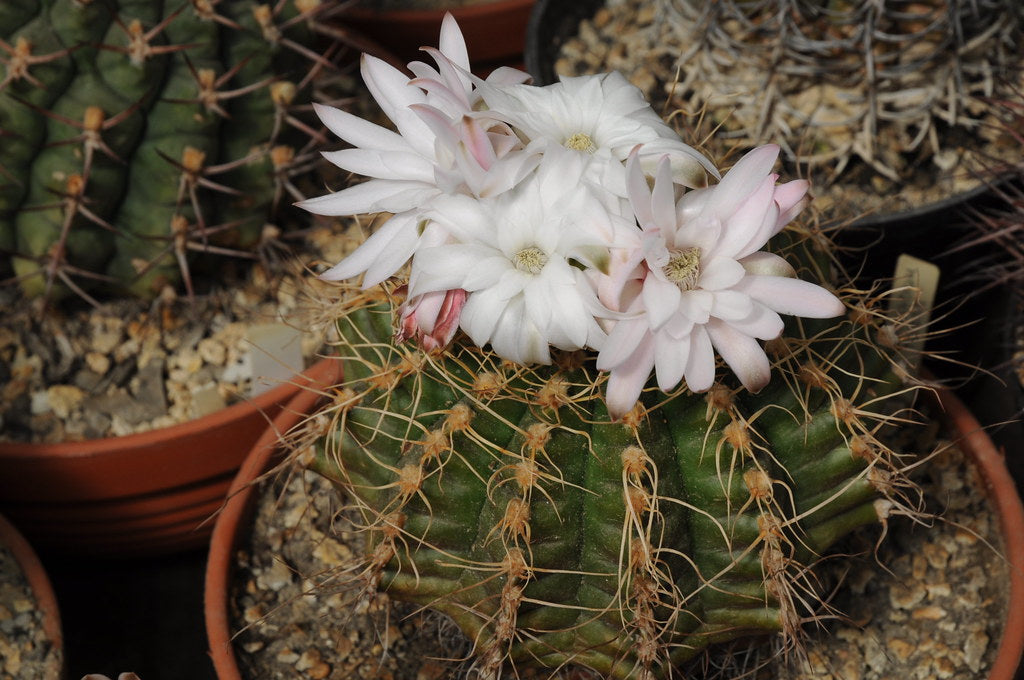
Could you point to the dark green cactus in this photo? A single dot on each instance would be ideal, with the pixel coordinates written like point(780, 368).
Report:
point(139, 132)
point(505, 497)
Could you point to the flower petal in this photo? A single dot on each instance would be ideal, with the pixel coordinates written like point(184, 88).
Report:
point(741, 180)
point(376, 195)
point(661, 300)
point(638, 190)
point(792, 296)
point(359, 132)
point(663, 197)
point(762, 323)
point(763, 263)
point(455, 265)
point(700, 367)
point(791, 198)
point(741, 353)
point(627, 380)
point(392, 91)
point(403, 165)
point(730, 305)
point(742, 221)
point(670, 357)
point(480, 317)
point(387, 237)
point(623, 341)
point(718, 273)
point(452, 45)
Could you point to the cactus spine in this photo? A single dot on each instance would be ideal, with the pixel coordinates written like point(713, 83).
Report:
point(139, 133)
point(505, 497)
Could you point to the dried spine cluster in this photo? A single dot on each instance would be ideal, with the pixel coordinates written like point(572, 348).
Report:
point(505, 497)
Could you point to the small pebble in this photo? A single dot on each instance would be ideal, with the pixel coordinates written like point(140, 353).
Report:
point(97, 362)
point(308, 659)
point(319, 671)
point(287, 656)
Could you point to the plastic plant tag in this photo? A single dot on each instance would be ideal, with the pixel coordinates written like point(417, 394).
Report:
point(915, 282)
point(276, 355)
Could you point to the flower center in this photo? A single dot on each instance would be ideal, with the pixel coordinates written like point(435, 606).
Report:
point(530, 260)
point(683, 268)
point(581, 142)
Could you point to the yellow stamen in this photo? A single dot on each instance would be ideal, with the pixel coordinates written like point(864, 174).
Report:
point(581, 142)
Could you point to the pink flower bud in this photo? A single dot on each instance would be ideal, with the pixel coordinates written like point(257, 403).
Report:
point(431, 318)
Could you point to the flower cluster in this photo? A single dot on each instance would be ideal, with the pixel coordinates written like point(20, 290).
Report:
point(567, 216)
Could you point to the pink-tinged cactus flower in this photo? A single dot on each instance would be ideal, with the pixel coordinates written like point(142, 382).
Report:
point(697, 281)
point(442, 146)
point(431, 319)
point(601, 116)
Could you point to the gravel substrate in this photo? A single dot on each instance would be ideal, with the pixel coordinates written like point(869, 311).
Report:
point(79, 372)
point(296, 622)
point(26, 653)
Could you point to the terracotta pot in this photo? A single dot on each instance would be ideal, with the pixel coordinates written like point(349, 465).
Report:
point(495, 31)
point(231, 526)
point(1006, 501)
point(141, 494)
point(234, 521)
point(42, 591)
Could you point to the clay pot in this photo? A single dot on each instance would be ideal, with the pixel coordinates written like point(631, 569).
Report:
point(232, 524)
point(495, 31)
point(142, 494)
point(42, 592)
point(234, 521)
point(1006, 502)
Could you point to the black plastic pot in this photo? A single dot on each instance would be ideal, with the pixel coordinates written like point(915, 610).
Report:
point(551, 23)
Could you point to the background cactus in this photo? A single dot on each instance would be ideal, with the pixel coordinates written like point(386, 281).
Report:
point(137, 134)
point(884, 83)
point(868, 99)
point(505, 497)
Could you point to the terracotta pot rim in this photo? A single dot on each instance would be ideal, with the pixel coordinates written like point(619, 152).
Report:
point(434, 15)
point(38, 582)
point(1003, 494)
point(106, 445)
point(973, 439)
point(225, 536)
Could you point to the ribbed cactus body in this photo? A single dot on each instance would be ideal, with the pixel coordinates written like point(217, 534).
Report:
point(135, 130)
point(506, 498)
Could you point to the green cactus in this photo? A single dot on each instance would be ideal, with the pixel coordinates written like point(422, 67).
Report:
point(505, 497)
point(138, 133)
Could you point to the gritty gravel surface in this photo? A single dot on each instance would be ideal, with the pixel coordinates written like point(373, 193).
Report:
point(297, 620)
point(26, 653)
point(77, 372)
